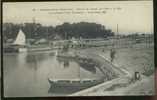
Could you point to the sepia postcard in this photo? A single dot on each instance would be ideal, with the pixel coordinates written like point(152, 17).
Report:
point(81, 48)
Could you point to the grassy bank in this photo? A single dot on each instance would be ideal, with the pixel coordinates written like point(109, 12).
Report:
point(135, 58)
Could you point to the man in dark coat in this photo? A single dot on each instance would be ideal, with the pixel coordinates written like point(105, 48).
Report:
point(112, 54)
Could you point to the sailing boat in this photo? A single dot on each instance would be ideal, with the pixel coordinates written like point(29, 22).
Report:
point(19, 45)
point(20, 39)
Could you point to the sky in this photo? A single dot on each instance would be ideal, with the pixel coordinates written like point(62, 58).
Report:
point(131, 16)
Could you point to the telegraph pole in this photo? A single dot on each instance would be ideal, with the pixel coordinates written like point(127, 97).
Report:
point(117, 30)
point(118, 36)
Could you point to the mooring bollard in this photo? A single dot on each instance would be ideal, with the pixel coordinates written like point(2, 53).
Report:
point(137, 76)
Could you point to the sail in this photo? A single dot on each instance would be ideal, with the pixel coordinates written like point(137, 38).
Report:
point(20, 39)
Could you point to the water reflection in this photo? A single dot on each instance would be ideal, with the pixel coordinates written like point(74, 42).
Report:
point(34, 59)
point(86, 64)
point(89, 68)
point(66, 62)
point(22, 59)
point(28, 74)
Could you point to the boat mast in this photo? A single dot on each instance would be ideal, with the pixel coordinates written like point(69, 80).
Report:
point(118, 35)
point(34, 24)
point(117, 29)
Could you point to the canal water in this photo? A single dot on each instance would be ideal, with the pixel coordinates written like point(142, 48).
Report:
point(26, 74)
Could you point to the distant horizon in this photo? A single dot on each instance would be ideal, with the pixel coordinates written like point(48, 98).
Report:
point(80, 22)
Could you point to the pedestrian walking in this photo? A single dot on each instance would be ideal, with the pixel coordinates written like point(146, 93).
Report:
point(112, 54)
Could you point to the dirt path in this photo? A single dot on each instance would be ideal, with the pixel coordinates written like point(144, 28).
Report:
point(124, 75)
point(124, 85)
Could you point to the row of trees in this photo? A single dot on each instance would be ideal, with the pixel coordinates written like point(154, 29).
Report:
point(64, 31)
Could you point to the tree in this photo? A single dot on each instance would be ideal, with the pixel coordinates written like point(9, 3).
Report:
point(65, 30)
